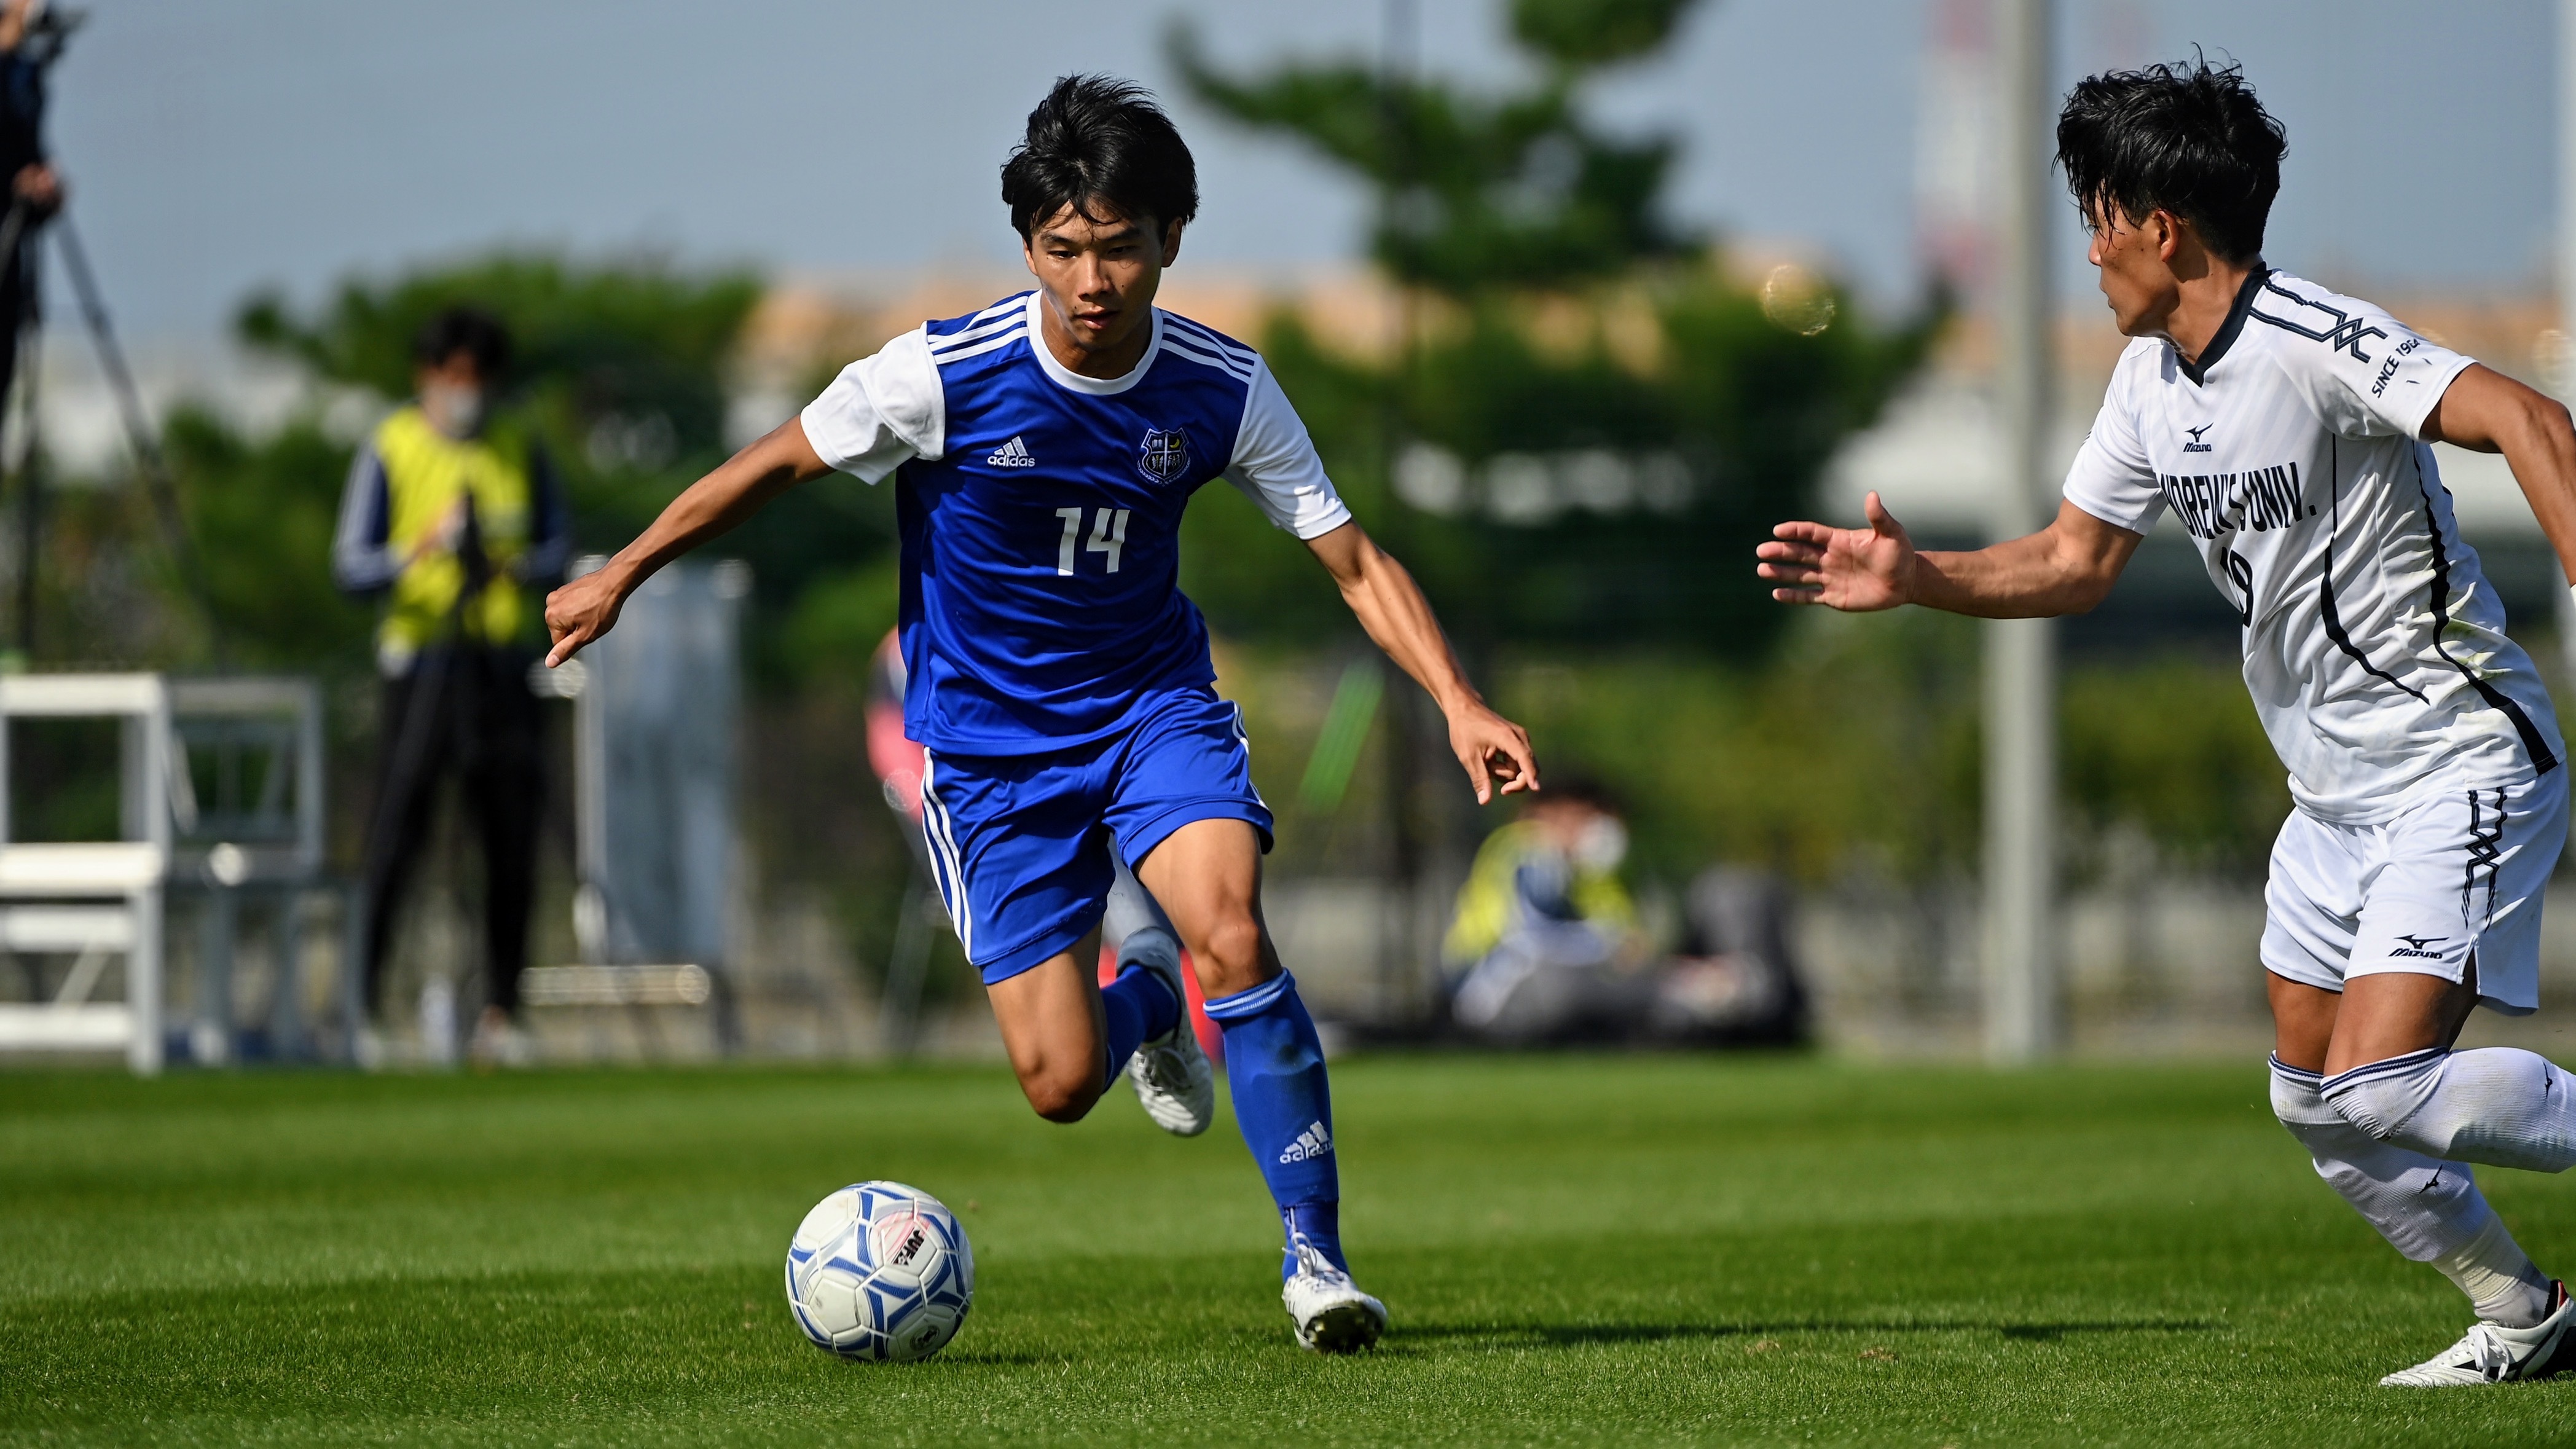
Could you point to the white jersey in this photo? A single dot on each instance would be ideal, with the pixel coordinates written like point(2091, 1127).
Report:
point(2374, 645)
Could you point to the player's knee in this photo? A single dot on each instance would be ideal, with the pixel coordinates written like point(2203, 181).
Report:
point(1059, 1095)
point(2382, 1099)
point(2297, 1103)
point(1062, 1102)
point(1229, 958)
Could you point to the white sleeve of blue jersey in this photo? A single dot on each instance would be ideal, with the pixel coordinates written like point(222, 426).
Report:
point(2111, 477)
point(1276, 466)
point(881, 411)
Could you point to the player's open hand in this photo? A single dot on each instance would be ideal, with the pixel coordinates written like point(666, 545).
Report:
point(579, 612)
point(1852, 569)
point(1494, 750)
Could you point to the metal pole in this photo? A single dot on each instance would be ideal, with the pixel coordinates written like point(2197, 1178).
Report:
point(2021, 1006)
point(2565, 362)
point(1409, 959)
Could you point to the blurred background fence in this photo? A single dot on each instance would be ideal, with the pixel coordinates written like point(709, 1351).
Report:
point(1542, 371)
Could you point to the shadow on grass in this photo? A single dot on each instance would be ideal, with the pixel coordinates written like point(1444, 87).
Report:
point(1573, 1335)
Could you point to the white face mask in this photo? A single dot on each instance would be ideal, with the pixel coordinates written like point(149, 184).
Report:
point(453, 409)
point(1602, 845)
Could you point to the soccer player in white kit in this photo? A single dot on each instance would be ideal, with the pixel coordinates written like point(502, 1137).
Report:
point(2290, 432)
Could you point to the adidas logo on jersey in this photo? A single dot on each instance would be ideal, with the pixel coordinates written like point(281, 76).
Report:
point(1013, 454)
point(1312, 1143)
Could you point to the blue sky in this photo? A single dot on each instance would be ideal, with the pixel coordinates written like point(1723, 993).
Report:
point(218, 147)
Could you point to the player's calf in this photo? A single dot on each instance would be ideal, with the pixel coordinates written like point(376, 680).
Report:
point(2429, 1210)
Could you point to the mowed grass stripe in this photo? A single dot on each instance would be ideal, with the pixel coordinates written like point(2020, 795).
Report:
point(1575, 1249)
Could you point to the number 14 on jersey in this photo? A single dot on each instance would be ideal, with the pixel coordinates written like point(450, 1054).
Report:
point(1108, 535)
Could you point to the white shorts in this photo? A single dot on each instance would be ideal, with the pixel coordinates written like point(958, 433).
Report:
point(2454, 877)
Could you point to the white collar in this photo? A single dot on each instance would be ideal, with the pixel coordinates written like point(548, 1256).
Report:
point(1072, 381)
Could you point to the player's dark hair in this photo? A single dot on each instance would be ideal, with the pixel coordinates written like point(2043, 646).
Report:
point(1101, 146)
point(470, 330)
point(2190, 139)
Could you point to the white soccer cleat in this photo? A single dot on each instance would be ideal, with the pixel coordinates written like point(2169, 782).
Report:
point(2491, 1353)
point(1171, 1075)
point(1331, 1313)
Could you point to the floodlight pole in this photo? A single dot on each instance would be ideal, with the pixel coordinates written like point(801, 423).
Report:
point(2021, 1005)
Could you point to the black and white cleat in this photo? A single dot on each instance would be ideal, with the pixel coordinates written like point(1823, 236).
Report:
point(2491, 1353)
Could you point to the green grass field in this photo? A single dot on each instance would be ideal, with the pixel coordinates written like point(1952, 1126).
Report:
point(1574, 1250)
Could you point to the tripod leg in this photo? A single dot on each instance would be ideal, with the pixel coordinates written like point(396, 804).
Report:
point(130, 410)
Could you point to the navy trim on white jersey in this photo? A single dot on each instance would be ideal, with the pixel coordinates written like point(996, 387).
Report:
point(2374, 644)
point(2534, 743)
point(2237, 312)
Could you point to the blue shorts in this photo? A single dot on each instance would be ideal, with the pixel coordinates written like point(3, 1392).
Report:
point(1019, 844)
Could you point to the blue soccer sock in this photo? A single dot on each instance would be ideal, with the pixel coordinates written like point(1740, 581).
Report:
point(1274, 1063)
point(1137, 1007)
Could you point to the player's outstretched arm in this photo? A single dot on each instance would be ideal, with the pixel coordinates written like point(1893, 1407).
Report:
point(2065, 568)
point(1391, 608)
point(586, 608)
point(2487, 412)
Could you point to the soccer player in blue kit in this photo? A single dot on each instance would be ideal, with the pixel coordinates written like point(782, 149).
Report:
point(1043, 450)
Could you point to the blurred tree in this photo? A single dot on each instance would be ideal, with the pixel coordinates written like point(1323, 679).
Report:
point(621, 367)
point(622, 370)
point(1858, 749)
point(1594, 422)
point(261, 515)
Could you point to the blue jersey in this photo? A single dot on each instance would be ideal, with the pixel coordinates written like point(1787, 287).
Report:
point(1041, 512)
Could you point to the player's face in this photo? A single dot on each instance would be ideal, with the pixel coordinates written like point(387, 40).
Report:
point(1099, 277)
point(2134, 261)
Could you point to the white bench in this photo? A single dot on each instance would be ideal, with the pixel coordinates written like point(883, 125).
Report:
point(92, 899)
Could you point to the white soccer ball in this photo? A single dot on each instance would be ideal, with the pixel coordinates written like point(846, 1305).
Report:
point(879, 1270)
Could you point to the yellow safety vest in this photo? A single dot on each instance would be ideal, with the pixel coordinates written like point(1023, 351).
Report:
point(1487, 903)
point(426, 471)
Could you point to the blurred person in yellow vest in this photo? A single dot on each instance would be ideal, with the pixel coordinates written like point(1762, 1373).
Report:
point(456, 519)
point(1547, 946)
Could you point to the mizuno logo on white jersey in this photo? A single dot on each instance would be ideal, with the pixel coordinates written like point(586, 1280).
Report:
point(1311, 1143)
point(1013, 454)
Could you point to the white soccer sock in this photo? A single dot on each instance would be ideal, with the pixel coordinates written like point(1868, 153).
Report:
point(2497, 1105)
point(1132, 908)
point(2429, 1210)
point(2498, 1276)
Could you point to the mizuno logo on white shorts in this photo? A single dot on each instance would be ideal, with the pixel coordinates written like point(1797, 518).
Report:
point(1311, 1143)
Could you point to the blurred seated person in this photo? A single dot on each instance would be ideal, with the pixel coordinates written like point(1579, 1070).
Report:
point(1546, 945)
point(1735, 982)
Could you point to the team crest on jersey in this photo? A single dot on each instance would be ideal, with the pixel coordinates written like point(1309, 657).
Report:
point(1165, 456)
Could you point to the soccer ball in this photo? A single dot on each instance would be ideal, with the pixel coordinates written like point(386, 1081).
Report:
point(879, 1270)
